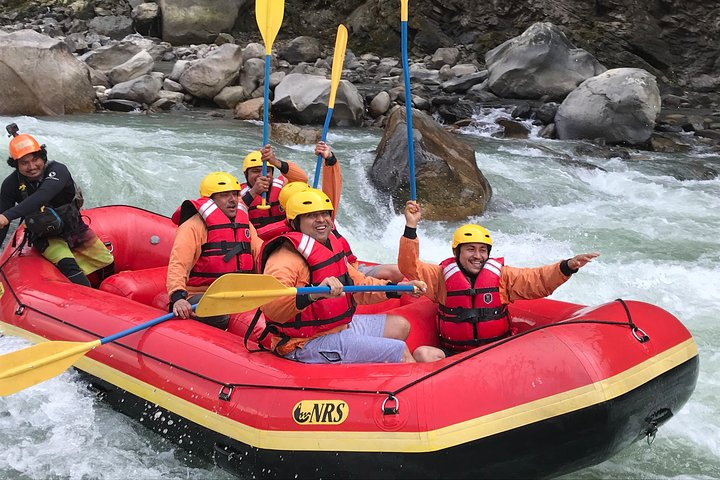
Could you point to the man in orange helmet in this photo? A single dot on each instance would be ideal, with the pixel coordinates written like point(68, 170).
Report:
point(214, 237)
point(472, 289)
point(44, 194)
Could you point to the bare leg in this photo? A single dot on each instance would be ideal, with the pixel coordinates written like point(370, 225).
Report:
point(428, 354)
point(407, 356)
point(396, 327)
point(389, 271)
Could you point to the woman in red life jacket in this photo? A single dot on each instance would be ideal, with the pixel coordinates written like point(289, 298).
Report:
point(322, 328)
point(214, 237)
point(255, 185)
point(473, 290)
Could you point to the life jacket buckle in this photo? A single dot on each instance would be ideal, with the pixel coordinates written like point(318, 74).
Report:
point(225, 392)
point(390, 410)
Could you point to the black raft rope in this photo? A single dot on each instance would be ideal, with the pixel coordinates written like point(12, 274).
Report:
point(227, 388)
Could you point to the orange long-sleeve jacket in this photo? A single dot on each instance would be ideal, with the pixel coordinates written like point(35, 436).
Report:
point(290, 269)
point(295, 173)
point(515, 283)
point(190, 236)
point(332, 184)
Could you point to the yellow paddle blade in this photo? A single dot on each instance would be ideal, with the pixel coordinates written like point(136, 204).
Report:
point(338, 60)
point(403, 10)
point(240, 292)
point(269, 16)
point(30, 366)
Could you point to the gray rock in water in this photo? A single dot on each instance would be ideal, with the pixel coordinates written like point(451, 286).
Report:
point(449, 184)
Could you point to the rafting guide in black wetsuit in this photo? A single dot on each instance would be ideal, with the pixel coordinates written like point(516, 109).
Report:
point(44, 195)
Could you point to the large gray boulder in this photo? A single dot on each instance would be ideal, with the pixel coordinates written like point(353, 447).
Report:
point(144, 89)
point(300, 49)
point(208, 76)
point(539, 63)
point(197, 21)
point(619, 106)
point(39, 76)
point(304, 99)
point(113, 26)
point(449, 183)
point(110, 56)
point(138, 65)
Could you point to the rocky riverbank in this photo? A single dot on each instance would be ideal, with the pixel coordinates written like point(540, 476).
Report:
point(465, 56)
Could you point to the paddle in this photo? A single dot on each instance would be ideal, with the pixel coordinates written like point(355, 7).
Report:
point(240, 292)
point(408, 96)
point(269, 16)
point(30, 366)
point(338, 59)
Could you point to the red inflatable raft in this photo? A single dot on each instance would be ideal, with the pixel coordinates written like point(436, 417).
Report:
point(576, 384)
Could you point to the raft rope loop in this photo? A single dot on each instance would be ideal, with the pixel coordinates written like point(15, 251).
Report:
point(18, 251)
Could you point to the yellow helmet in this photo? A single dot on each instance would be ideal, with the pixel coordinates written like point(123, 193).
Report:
point(471, 233)
point(289, 190)
point(307, 201)
point(252, 159)
point(217, 182)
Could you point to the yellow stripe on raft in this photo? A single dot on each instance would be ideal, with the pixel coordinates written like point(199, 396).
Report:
point(406, 442)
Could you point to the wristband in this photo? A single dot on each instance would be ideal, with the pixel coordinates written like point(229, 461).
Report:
point(410, 232)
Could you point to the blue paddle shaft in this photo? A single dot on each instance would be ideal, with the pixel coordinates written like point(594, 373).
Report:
point(137, 328)
point(357, 288)
point(325, 129)
point(266, 116)
point(408, 111)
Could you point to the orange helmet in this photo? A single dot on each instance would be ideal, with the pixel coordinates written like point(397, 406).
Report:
point(23, 144)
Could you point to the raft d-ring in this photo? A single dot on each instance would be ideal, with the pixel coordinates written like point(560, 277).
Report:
point(225, 392)
point(20, 310)
point(640, 335)
point(390, 410)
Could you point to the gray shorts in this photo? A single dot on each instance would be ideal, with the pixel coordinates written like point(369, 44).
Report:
point(369, 270)
point(361, 342)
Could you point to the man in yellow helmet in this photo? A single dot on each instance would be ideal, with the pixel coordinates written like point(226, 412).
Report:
point(256, 184)
point(332, 186)
point(472, 289)
point(322, 328)
point(214, 237)
point(44, 194)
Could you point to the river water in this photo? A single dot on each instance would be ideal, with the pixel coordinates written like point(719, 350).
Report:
point(654, 218)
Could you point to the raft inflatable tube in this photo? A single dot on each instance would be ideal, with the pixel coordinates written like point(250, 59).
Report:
point(575, 386)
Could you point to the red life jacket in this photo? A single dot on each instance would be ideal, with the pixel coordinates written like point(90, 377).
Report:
point(261, 218)
point(472, 315)
point(351, 258)
point(227, 249)
point(326, 313)
point(273, 230)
